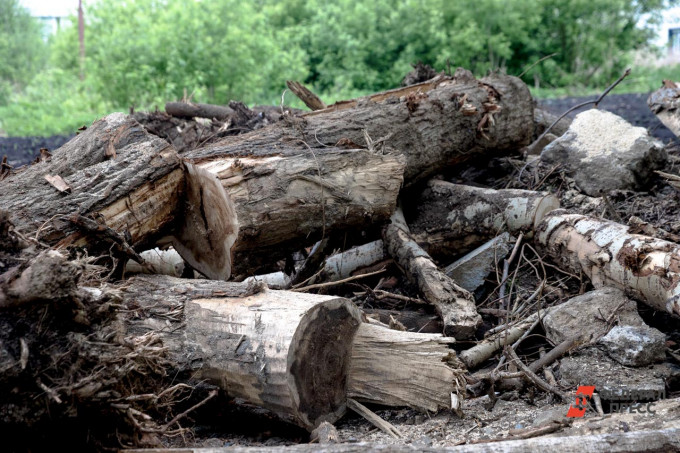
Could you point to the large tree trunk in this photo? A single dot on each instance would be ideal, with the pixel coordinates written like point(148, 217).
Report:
point(287, 352)
point(298, 355)
point(115, 171)
point(339, 168)
point(434, 124)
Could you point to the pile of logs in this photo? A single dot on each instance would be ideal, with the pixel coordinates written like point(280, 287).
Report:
point(252, 229)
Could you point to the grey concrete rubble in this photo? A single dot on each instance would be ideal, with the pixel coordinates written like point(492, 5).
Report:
point(634, 345)
point(604, 152)
point(591, 315)
point(471, 270)
point(612, 380)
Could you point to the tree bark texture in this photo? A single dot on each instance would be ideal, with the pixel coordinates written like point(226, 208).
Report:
point(292, 197)
point(455, 305)
point(299, 355)
point(434, 124)
point(646, 268)
point(664, 103)
point(118, 173)
point(287, 352)
point(452, 219)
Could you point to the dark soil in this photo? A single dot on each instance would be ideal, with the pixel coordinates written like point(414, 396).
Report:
point(24, 150)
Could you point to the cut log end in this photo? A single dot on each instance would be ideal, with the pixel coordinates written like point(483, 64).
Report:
point(209, 225)
point(318, 360)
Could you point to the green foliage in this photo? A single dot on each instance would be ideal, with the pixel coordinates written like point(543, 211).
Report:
point(22, 50)
point(143, 53)
point(592, 39)
point(55, 102)
point(147, 52)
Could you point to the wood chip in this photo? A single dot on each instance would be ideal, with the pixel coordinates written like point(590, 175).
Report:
point(58, 183)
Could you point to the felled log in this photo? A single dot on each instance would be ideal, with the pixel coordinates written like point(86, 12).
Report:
point(664, 103)
point(292, 197)
point(646, 268)
point(286, 352)
point(298, 355)
point(455, 305)
point(117, 173)
point(191, 110)
point(434, 124)
point(395, 368)
point(291, 182)
point(452, 219)
point(128, 188)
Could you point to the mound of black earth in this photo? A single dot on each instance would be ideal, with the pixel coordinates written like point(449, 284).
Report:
point(23, 150)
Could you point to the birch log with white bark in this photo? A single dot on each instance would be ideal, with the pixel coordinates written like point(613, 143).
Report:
point(452, 219)
point(454, 304)
point(644, 267)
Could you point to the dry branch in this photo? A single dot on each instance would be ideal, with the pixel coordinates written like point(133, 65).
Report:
point(455, 305)
point(310, 99)
point(190, 110)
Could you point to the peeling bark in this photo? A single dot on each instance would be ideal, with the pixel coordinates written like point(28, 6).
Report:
point(135, 192)
point(646, 268)
point(452, 219)
point(455, 305)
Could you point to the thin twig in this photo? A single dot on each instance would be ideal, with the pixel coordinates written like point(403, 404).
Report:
point(338, 282)
point(535, 63)
point(177, 418)
point(531, 376)
point(596, 102)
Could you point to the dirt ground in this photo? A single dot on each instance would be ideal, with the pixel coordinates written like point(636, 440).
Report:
point(23, 150)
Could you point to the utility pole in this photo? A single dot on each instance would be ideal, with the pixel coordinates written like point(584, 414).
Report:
point(81, 38)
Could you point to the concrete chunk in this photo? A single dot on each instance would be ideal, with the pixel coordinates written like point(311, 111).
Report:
point(604, 152)
point(634, 345)
point(471, 270)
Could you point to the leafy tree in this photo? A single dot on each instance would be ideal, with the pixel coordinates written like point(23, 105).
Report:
point(146, 52)
point(22, 50)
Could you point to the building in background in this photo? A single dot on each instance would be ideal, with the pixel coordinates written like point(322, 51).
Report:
point(674, 41)
point(52, 13)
